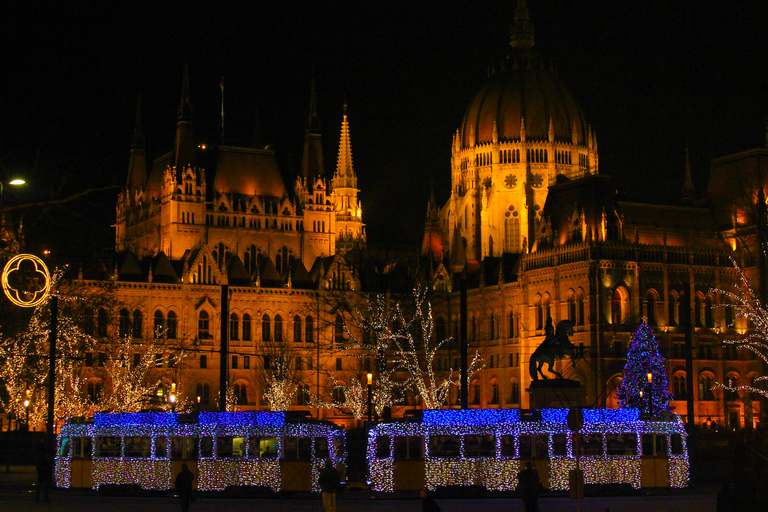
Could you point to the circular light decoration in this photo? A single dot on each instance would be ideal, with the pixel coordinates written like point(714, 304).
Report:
point(26, 287)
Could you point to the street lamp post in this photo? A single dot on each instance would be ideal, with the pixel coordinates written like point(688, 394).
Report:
point(172, 398)
point(26, 411)
point(650, 394)
point(370, 397)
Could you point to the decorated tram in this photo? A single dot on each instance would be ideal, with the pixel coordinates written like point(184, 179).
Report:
point(488, 447)
point(227, 449)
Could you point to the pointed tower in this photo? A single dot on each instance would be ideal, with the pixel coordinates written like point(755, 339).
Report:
point(521, 33)
point(689, 193)
point(312, 160)
point(184, 147)
point(350, 230)
point(432, 243)
point(137, 163)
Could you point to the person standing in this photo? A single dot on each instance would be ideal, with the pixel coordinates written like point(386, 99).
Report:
point(428, 503)
point(329, 482)
point(43, 477)
point(529, 485)
point(184, 486)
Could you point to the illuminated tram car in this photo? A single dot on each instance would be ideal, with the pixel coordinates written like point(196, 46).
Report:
point(222, 449)
point(488, 447)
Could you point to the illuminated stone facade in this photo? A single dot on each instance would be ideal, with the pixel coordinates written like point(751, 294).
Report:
point(541, 232)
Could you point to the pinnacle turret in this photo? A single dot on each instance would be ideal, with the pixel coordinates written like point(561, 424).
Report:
point(521, 33)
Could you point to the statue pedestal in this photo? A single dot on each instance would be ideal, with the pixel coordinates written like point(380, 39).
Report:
point(556, 393)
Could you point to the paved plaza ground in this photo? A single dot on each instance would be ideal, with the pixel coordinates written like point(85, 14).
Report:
point(17, 494)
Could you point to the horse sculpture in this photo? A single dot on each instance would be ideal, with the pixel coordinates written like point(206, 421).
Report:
point(555, 346)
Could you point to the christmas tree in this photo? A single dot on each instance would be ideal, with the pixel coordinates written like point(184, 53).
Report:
point(644, 359)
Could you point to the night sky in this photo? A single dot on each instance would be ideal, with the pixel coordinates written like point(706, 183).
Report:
point(651, 77)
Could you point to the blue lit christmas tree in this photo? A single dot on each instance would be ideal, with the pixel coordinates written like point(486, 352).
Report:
point(644, 358)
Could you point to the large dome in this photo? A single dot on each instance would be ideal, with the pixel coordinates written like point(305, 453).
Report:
point(527, 91)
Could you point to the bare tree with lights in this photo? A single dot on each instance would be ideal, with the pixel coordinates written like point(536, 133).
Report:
point(416, 349)
point(744, 301)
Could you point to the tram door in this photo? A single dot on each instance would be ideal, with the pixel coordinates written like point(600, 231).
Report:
point(296, 464)
point(655, 460)
point(535, 448)
point(409, 463)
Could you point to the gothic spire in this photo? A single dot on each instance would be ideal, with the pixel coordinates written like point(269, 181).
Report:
point(184, 147)
point(137, 163)
point(521, 33)
point(312, 159)
point(344, 165)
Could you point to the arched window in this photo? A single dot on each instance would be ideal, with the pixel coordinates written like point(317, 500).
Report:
point(234, 327)
point(620, 305)
point(440, 331)
point(732, 380)
point(571, 300)
point(511, 324)
point(203, 326)
point(297, 329)
point(241, 393)
point(309, 330)
point(650, 307)
point(698, 306)
point(338, 395)
point(138, 326)
point(514, 396)
point(580, 307)
point(539, 313)
point(709, 304)
point(473, 329)
point(170, 328)
point(679, 386)
point(476, 396)
point(338, 329)
point(278, 328)
point(203, 392)
point(546, 303)
point(158, 325)
point(705, 386)
point(491, 327)
point(494, 392)
point(266, 328)
point(246, 327)
point(125, 323)
point(674, 307)
point(94, 388)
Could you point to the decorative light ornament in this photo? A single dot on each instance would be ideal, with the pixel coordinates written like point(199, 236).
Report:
point(39, 293)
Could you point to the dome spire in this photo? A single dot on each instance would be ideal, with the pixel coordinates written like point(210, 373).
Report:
point(344, 165)
point(521, 33)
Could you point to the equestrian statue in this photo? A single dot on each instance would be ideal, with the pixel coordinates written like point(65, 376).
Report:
point(556, 345)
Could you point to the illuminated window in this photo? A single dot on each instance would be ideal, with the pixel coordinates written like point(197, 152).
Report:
point(266, 328)
point(203, 326)
point(246, 327)
point(234, 327)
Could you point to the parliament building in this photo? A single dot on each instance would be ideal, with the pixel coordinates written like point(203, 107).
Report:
point(532, 222)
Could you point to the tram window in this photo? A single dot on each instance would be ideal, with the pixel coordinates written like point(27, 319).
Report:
point(677, 444)
point(297, 448)
point(229, 446)
point(507, 446)
point(184, 448)
point(81, 447)
point(591, 444)
point(647, 442)
point(444, 447)
point(64, 446)
point(534, 446)
point(382, 447)
point(338, 446)
point(206, 446)
point(409, 448)
point(108, 446)
point(559, 444)
point(161, 447)
point(321, 448)
point(621, 444)
point(661, 445)
point(476, 446)
point(264, 447)
point(137, 446)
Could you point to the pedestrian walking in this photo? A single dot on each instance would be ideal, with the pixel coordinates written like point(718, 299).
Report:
point(329, 482)
point(529, 486)
point(428, 503)
point(184, 486)
point(43, 477)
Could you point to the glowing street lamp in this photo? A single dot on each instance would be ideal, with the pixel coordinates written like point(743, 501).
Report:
point(15, 182)
point(172, 398)
point(370, 397)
